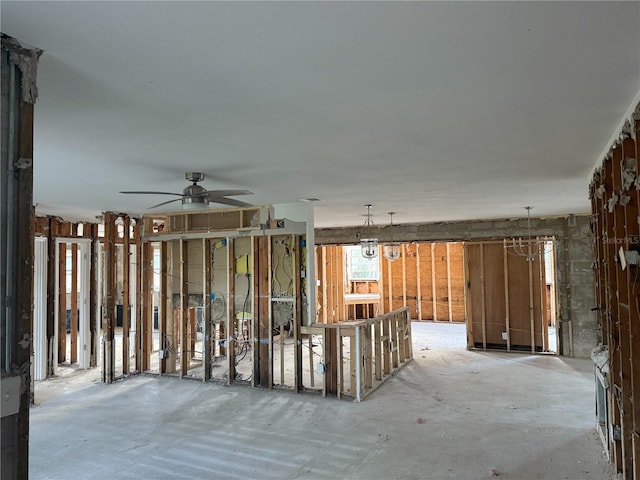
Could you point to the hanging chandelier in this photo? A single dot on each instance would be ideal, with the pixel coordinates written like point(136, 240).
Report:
point(525, 249)
point(391, 249)
point(369, 245)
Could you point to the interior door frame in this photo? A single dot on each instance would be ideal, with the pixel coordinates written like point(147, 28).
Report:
point(84, 271)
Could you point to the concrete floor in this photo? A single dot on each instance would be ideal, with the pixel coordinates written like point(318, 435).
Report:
point(449, 414)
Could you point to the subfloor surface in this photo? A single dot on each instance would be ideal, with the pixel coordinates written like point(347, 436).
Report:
point(449, 414)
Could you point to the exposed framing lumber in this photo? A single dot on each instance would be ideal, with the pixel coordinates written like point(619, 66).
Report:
point(93, 296)
point(74, 304)
point(418, 285)
point(62, 302)
point(126, 292)
point(146, 325)
point(167, 364)
point(631, 149)
point(434, 291)
point(108, 315)
point(206, 309)
point(450, 305)
point(184, 307)
point(506, 295)
point(231, 313)
point(623, 350)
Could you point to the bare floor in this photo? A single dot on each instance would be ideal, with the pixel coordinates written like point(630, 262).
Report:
point(449, 414)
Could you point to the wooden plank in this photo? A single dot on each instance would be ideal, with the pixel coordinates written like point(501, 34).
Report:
point(403, 258)
point(126, 292)
point(74, 303)
point(165, 311)
point(418, 285)
point(109, 318)
point(457, 276)
point(51, 295)
point(139, 298)
point(184, 307)
point(263, 276)
point(207, 340)
point(297, 265)
point(147, 310)
point(231, 312)
point(440, 279)
point(474, 293)
point(506, 295)
point(434, 294)
point(449, 304)
point(62, 302)
point(377, 350)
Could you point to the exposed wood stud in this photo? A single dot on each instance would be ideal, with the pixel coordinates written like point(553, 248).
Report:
point(434, 291)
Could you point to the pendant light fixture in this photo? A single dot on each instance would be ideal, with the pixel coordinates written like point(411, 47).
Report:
point(525, 249)
point(391, 249)
point(369, 245)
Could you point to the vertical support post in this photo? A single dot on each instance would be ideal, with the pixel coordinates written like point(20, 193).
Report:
point(404, 274)
point(51, 294)
point(146, 325)
point(297, 320)
point(449, 283)
point(418, 284)
point(108, 314)
point(94, 309)
point(434, 291)
point(184, 307)
point(74, 302)
point(19, 66)
point(231, 316)
point(206, 309)
point(505, 259)
point(62, 302)
point(126, 291)
point(164, 312)
point(358, 363)
point(482, 293)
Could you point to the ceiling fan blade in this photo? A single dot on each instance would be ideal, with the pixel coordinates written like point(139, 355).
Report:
point(227, 193)
point(154, 193)
point(229, 201)
point(164, 203)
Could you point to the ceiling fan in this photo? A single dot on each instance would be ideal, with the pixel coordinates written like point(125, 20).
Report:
point(195, 197)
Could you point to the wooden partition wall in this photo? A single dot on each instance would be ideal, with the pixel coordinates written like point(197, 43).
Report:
point(506, 297)
point(615, 200)
point(428, 278)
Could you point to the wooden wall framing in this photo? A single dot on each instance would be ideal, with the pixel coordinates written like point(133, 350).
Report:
point(506, 297)
point(615, 200)
point(428, 278)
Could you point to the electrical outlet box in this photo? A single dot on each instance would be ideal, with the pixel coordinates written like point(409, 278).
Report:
point(505, 335)
point(160, 354)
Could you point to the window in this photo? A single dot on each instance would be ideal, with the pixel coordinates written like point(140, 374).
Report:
point(358, 267)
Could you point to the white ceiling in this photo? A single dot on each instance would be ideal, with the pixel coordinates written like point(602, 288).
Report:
point(436, 110)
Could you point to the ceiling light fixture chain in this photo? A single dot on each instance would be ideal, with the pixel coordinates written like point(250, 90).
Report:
point(369, 245)
point(392, 248)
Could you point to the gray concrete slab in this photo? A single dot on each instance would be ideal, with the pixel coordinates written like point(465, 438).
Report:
point(449, 414)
